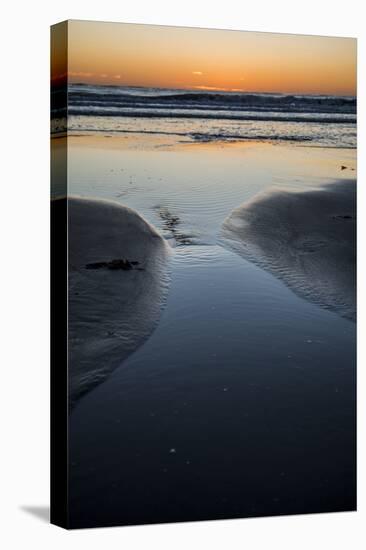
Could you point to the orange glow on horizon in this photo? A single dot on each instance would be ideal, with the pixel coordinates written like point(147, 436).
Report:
point(203, 59)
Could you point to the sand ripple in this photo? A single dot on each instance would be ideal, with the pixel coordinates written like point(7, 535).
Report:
point(111, 311)
point(307, 239)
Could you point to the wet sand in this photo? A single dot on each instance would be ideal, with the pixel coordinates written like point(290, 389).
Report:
point(307, 239)
point(238, 369)
point(117, 282)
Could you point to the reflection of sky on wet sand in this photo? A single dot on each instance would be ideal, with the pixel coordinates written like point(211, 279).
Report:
point(239, 368)
point(201, 183)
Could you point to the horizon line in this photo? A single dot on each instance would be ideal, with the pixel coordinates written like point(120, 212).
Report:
point(201, 88)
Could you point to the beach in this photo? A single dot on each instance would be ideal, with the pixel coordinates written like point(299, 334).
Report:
point(211, 180)
point(117, 283)
point(233, 353)
point(306, 238)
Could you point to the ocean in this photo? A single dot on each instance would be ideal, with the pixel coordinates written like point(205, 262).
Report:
point(207, 115)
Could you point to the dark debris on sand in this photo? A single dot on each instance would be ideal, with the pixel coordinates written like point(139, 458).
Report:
point(171, 223)
point(123, 264)
point(344, 217)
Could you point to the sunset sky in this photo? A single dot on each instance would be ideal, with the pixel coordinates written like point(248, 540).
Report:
point(174, 57)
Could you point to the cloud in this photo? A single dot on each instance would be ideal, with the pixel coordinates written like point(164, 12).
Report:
point(210, 88)
point(75, 73)
point(217, 89)
point(118, 76)
point(197, 73)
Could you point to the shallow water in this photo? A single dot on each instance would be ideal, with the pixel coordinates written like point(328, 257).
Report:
point(242, 401)
point(201, 184)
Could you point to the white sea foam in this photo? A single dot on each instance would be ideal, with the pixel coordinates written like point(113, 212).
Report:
point(211, 115)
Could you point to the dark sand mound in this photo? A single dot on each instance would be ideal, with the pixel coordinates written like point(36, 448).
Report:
point(117, 284)
point(307, 239)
